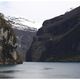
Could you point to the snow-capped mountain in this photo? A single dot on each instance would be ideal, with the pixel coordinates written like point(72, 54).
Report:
point(21, 23)
point(23, 31)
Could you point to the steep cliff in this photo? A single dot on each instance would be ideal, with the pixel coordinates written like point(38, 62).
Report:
point(24, 33)
point(8, 45)
point(58, 39)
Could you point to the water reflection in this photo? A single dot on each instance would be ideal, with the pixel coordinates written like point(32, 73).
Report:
point(47, 68)
point(6, 71)
point(9, 71)
point(3, 76)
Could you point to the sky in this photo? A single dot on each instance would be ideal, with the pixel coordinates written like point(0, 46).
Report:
point(37, 10)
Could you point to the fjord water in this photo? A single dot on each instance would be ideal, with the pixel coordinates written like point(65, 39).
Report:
point(45, 70)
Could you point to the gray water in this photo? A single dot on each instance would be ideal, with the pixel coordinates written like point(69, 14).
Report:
point(41, 70)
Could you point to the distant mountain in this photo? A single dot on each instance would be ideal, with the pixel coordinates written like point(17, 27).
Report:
point(23, 32)
point(21, 23)
point(58, 39)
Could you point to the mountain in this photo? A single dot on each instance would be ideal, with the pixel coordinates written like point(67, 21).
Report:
point(8, 44)
point(21, 23)
point(24, 33)
point(58, 39)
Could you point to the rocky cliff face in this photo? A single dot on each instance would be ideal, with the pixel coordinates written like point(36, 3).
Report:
point(8, 45)
point(23, 32)
point(58, 39)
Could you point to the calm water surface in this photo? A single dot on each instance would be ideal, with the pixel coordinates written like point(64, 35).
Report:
point(41, 70)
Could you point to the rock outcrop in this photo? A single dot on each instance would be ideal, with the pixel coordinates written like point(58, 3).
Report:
point(23, 32)
point(8, 45)
point(58, 39)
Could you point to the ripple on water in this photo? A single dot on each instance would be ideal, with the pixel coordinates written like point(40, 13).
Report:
point(48, 68)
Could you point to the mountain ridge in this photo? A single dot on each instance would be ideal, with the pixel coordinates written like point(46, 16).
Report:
point(23, 33)
point(20, 23)
point(58, 39)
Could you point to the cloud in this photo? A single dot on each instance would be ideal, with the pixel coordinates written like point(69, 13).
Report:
point(37, 10)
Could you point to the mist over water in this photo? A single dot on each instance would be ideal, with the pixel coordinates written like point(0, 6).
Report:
point(41, 70)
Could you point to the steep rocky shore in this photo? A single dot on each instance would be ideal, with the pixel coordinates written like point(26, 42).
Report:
point(58, 39)
point(8, 45)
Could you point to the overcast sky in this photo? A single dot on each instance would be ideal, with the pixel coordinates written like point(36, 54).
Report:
point(37, 10)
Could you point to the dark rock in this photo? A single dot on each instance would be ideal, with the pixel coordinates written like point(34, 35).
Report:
point(58, 39)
